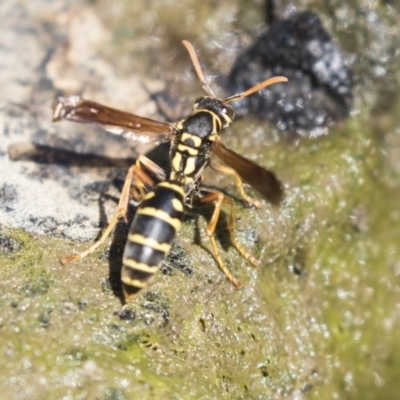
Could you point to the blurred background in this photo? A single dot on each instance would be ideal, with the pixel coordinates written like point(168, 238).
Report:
point(319, 318)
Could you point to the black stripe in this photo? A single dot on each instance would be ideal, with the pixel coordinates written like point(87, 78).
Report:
point(143, 254)
point(151, 227)
point(130, 290)
point(133, 273)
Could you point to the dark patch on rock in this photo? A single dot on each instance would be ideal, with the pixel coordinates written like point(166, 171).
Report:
point(319, 91)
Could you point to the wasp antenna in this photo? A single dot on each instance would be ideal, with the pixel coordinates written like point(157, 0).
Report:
point(256, 88)
point(197, 67)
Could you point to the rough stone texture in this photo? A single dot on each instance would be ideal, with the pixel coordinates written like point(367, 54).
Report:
point(46, 49)
point(318, 93)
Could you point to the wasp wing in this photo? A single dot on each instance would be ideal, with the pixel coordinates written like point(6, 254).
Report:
point(117, 122)
point(262, 180)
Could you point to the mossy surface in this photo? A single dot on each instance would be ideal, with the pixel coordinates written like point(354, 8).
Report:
point(318, 315)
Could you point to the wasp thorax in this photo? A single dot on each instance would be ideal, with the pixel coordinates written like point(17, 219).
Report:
point(223, 111)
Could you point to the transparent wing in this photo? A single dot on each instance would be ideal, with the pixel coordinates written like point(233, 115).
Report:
point(262, 180)
point(117, 122)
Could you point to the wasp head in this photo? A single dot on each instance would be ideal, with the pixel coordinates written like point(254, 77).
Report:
point(224, 112)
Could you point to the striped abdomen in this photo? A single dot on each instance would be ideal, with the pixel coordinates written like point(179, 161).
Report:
point(156, 222)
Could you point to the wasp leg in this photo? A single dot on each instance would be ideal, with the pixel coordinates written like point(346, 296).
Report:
point(219, 198)
point(238, 182)
point(142, 179)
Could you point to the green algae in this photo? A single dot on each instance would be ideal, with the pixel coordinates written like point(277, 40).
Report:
point(318, 318)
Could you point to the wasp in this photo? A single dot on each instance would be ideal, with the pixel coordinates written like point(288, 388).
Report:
point(163, 197)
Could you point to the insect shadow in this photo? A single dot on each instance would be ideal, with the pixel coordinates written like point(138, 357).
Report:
point(176, 260)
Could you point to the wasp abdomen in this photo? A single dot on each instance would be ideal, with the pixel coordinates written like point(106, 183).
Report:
point(151, 234)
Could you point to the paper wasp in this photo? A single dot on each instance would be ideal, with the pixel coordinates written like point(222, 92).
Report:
point(164, 197)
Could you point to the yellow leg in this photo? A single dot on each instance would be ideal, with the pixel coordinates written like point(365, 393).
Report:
point(238, 182)
point(142, 180)
point(219, 198)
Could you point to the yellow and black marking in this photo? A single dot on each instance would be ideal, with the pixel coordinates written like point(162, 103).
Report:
point(152, 231)
point(193, 141)
point(194, 137)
